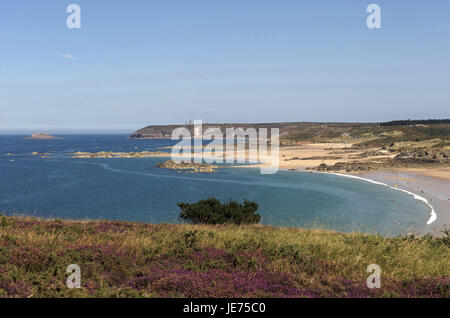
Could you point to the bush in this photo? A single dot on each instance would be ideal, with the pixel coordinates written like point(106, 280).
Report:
point(212, 211)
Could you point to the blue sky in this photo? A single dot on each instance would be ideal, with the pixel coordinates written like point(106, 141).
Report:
point(135, 63)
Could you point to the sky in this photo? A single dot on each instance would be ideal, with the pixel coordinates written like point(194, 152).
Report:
point(135, 63)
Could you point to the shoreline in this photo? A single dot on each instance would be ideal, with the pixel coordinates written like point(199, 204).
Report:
point(429, 185)
point(411, 182)
point(433, 216)
point(425, 184)
point(439, 219)
point(420, 184)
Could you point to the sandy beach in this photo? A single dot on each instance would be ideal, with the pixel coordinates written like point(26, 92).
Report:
point(310, 155)
point(432, 184)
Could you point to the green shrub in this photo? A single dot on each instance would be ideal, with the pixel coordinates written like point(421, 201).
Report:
point(212, 211)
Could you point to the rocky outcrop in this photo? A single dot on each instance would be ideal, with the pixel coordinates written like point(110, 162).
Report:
point(41, 136)
point(407, 159)
point(424, 156)
point(110, 154)
point(347, 167)
point(165, 131)
point(315, 158)
point(371, 153)
point(188, 167)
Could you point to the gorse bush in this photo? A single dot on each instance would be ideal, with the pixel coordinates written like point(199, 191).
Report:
point(212, 211)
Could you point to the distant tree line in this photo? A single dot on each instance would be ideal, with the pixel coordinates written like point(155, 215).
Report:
point(415, 122)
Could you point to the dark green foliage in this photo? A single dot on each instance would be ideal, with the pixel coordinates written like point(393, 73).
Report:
point(446, 238)
point(416, 122)
point(212, 211)
point(369, 135)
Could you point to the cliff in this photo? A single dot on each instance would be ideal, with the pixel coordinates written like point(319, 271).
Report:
point(360, 135)
point(165, 131)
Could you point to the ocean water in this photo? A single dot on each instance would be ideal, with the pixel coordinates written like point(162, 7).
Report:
point(135, 190)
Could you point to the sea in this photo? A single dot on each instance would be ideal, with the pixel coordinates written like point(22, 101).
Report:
point(134, 189)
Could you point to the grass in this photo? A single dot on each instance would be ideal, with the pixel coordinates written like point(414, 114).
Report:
point(119, 259)
point(367, 135)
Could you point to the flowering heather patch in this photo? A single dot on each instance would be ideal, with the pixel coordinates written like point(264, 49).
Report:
point(119, 259)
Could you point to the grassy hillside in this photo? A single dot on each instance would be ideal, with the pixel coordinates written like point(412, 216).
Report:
point(370, 135)
point(363, 135)
point(119, 259)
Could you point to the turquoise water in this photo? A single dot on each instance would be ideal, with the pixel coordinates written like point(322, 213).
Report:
point(135, 190)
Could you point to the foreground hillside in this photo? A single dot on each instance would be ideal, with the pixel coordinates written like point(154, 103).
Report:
point(119, 259)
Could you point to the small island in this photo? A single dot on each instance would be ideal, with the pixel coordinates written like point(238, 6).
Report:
point(40, 136)
point(110, 154)
point(190, 167)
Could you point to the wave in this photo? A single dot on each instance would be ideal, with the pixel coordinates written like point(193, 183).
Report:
point(433, 216)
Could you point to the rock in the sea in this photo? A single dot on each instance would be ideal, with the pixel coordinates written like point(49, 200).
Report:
point(110, 154)
point(188, 167)
point(41, 136)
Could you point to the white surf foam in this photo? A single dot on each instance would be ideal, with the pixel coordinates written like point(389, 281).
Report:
point(433, 216)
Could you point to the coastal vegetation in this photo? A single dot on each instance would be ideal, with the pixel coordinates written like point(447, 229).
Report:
point(416, 122)
point(393, 145)
point(212, 211)
point(406, 159)
point(397, 144)
point(355, 133)
point(120, 259)
point(369, 135)
point(341, 147)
